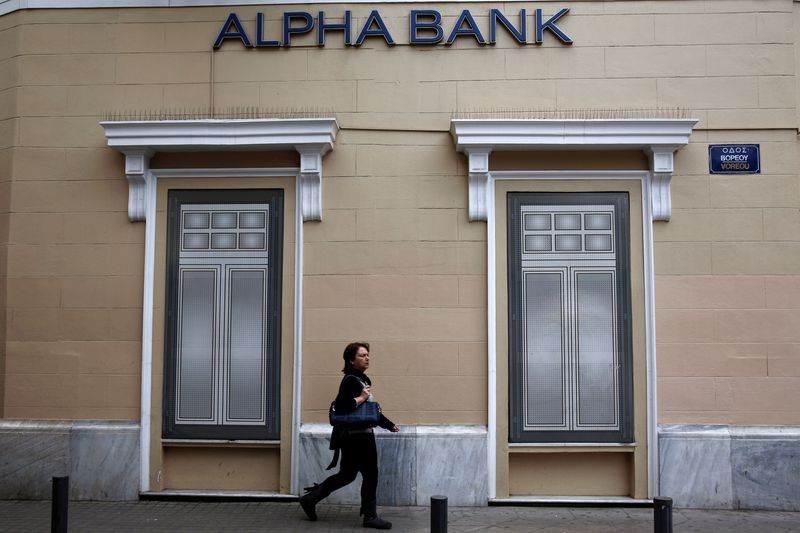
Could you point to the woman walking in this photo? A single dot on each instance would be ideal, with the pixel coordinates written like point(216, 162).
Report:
point(359, 453)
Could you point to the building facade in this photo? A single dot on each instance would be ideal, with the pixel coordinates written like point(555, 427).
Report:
point(569, 230)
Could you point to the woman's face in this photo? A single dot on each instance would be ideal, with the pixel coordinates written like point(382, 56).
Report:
point(361, 360)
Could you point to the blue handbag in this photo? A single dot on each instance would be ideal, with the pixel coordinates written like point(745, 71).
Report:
point(366, 415)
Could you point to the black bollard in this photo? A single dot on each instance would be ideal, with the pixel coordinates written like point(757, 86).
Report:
point(662, 514)
point(58, 516)
point(438, 514)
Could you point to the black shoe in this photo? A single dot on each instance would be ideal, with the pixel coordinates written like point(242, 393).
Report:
point(309, 501)
point(377, 523)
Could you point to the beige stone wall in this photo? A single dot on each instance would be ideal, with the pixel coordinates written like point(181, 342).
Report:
point(396, 263)
point(8, 125)
point(728, 288)
point(394, 260)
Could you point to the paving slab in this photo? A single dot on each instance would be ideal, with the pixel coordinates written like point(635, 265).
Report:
point(199, 517)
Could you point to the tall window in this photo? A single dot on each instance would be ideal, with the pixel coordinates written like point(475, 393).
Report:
point(222, 345)
point(570, 370)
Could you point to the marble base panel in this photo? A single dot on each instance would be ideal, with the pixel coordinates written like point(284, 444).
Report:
point(414, 465)
point(100, 458)
point(730, 467)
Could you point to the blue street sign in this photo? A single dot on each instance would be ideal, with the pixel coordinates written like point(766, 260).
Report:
point(734, 159)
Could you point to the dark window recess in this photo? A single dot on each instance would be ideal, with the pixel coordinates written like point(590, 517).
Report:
point(223, 303)
point(570, 362)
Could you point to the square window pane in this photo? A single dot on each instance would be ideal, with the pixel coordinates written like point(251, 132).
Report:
point(195, 220)
point(568, 222)
point(223, 220)
point(537, 222)
point(538, 243)
point(223, 241)
point(252, 220)
point(568, 243)
point(252, 241)
point(195, 241)
point(596, 221)
point(598, 243)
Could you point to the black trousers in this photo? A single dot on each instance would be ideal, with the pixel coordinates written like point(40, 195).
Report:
point(359, 454)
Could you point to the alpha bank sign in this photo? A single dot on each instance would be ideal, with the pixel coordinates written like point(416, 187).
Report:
point(424, 27)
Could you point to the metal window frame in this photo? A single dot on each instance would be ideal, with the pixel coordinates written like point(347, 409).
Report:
point(270, 430)
point(516, 433)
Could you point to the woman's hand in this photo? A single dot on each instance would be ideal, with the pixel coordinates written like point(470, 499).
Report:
point(361, 398)
point(395, 429)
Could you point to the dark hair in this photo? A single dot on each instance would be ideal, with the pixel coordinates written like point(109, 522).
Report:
point(350, 352)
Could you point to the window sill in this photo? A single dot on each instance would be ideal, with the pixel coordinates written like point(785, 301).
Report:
point(203, 443)
point(571, 447)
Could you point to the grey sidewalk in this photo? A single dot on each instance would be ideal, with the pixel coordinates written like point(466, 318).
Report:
point(154, 516)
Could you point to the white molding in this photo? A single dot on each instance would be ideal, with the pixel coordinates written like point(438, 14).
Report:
point(297, 361)
point(491, 338)
point(222, 134)
point(145, 407)
point(533, 134)
point(649, 296)
point(9, 6)
point(658, 138)
point(149, 194)
point(312, 138)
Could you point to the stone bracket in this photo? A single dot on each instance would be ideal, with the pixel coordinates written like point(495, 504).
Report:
point(310, 182)
point(137, 164)
point(478, 183)
point(661, 169)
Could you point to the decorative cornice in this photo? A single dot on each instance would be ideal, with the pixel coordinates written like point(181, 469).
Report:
point(138, 140)
point(221, 134)
point(524, 134)
point(659, 138)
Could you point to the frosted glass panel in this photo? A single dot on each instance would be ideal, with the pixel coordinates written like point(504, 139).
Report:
point(596, 347)
point(538, 243)
point(568, 222)
point(598, 243)
point(252, 220)
point(246, 365)
point(568, 243)
point(223, 220)
point(195, 241)
point(195, 221)
point(196, 346)
point(544, 372)
point(223, 241)
point(537, 222)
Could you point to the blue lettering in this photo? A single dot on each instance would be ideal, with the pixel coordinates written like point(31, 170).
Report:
point(322, 28)
point(289, 30)
point(380, 31)
point(550, 25)
point(415, 25)
point(471, 28)
point(260, 41)
point(237, 31)
point(520, 35)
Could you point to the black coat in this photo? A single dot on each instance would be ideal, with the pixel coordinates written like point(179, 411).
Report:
point(345, 402)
